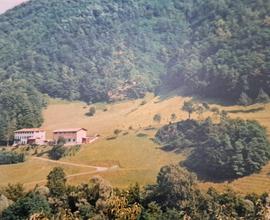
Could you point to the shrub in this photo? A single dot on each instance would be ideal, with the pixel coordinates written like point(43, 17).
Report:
point(91, 112)
point(173, 117)
point(4, 203)
point(117, 131)
point(26, 206)
point(11, 158)
point(143, 102)
point(57, 152)
point(14, 191)
point(157, 118)
point(141, 135)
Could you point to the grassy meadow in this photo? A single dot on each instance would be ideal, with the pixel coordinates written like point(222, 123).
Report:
point(138, 157)
point(32, 172)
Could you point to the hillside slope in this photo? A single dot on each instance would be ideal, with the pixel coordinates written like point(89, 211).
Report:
point(138, 157)
point(99, 49)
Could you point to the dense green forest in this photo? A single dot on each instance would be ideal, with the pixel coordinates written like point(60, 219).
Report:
point(227, 150)
point(227, 52)
point(20, 106)
point(99, 49)
point(175, 195)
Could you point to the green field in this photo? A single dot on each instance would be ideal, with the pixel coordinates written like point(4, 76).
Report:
point(138, 157)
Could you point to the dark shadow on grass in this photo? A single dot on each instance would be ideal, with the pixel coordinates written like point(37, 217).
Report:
point(111, 138)
point(43, 153)
point(253, 110)
point(142, 135)
point(168, 148)
point(202, 177)
point(167, 93)
point(172, 148)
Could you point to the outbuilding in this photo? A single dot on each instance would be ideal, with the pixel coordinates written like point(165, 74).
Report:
point(71, 136)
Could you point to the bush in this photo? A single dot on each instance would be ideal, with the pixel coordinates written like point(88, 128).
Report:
point(14, 191)
point(25, 207)
point(157, 118)
point(57, 152)
point(91, 112)
point(143, 102)
point(173, 117)
point(4, 203)
point(117, 131)
point(11, 158)
point(141, 135)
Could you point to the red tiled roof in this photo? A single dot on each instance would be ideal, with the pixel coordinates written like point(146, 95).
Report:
point(69, 130)
point(29, 130)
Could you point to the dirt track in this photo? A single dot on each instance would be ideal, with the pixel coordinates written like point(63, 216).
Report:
point(98, 169)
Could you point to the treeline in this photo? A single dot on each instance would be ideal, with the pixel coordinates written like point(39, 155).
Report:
point(20, 107)
point(11, 158)
point(175, 195)
point(92, 50)
point(226, 150)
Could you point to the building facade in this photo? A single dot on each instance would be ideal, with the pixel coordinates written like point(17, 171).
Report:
point(29, 136)
point(71, 136)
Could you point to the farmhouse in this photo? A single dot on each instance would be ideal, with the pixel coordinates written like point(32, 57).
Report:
point(71, 136)
point(29, 136)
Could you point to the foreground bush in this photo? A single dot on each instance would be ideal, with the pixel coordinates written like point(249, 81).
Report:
point(24, 207)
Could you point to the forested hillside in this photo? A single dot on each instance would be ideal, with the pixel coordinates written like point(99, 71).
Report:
point(20, 106)
point(227, 52)
point(98, 49)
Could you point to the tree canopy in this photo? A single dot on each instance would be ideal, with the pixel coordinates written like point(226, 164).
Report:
point(57, 182)
point(24, 207)
point(20, 107)
point(230, 149)
point(175, 195)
